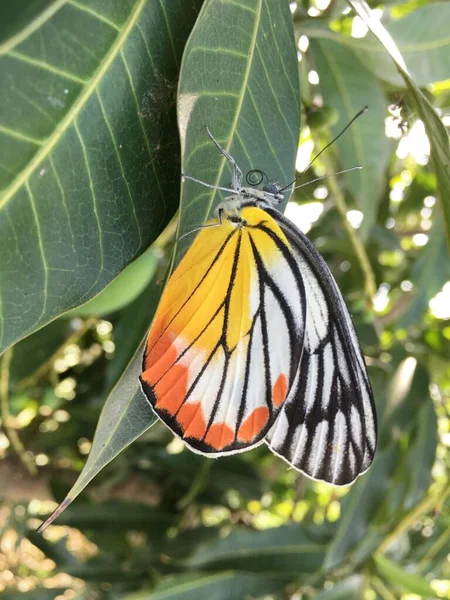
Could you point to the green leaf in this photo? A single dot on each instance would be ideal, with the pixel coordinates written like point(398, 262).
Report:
point(242, 83)
point(399, 577)
point(348, 589)
point(421, 454)
point(347, 86)
point(421, 37)
point(437, 135)
point(87, 146)
point(123, 289)
point(215, 586)
point(286, 549)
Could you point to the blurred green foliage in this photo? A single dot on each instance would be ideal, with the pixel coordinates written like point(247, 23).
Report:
point(159, 521)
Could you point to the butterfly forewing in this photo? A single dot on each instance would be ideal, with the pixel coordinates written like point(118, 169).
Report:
point(327, 426)
point(226, 341)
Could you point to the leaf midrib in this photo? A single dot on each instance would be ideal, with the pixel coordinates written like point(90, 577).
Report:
point(240, 103)
point(78, 105)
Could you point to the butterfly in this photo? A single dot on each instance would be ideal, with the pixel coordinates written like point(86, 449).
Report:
point(252, 342)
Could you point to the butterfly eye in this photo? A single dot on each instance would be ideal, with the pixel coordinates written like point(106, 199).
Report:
point(271, 188)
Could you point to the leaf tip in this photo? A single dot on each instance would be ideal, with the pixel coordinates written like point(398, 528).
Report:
point(55, 514)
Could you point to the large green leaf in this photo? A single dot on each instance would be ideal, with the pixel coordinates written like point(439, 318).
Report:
point(87, 147)
point(437, 135)
point(347, 86)
point(286, 549)
point(242, 83)
point(247, 88)
point(421, 36)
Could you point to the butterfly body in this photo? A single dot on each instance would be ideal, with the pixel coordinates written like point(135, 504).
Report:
point(252, 342)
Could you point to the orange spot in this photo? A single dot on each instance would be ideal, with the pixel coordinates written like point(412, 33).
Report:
point(171, 389)
point(253, 424)
point(279, 390)
point(161, 357)
point(191, 420)
point(219, 436)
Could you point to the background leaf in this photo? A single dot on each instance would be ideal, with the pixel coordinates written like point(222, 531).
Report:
point(421, 37)
point(281, 550)
point(438, 137)
point(216, 586)
point(347, 86)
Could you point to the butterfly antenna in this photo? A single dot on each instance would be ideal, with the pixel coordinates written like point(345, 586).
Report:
point(361, 112)
point(327, 176)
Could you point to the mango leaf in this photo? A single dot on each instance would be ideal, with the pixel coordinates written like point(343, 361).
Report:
point(215, 586)
point(347, 86)
point(399, 577)
point(247, 89)
point(437, 135)
point(286, 549)
point(87, 145)
point(246, 92)
point(421, 37)
point(421, 454)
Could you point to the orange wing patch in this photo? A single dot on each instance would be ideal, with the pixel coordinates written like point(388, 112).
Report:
point(279, 390)
point(219, 436)
point(253, 424)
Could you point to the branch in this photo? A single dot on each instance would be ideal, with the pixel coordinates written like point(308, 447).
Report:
point(11, 433)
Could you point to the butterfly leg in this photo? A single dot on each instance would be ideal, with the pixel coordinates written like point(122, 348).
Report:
point(219, 218)
point(208, 185)
point(237, 173)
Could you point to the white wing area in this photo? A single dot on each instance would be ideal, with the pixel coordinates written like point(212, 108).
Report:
point(327, 427)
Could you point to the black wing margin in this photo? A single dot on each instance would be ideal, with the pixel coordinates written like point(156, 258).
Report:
point(327, 427)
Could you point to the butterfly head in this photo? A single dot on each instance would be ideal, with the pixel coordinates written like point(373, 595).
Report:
point(270, 190)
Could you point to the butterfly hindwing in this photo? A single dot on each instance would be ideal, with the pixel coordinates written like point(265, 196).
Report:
point(327, 426)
